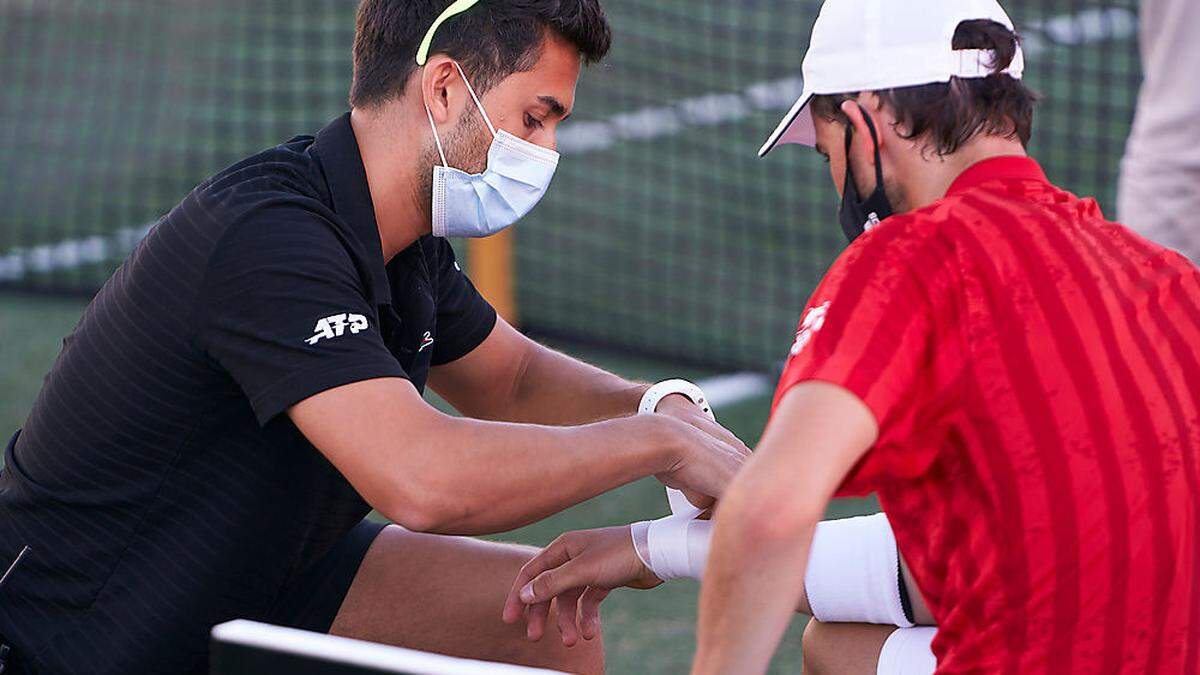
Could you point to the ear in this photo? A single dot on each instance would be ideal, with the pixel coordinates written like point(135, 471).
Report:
point(862, 151)
point(440, 85)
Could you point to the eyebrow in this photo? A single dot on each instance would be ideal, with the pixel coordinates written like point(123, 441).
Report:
point(556, 106)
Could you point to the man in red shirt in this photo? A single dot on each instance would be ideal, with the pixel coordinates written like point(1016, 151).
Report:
point(1013, 375)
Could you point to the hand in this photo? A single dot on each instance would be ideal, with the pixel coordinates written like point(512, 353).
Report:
point(683, 409)
point(577, 570)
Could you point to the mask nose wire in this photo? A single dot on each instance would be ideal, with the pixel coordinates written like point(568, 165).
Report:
point(476, 99)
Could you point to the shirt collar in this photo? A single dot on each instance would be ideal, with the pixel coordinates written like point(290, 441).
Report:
point(998, 168)
point(337, 149)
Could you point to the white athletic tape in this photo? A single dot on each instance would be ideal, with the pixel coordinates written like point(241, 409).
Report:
point(678, 547)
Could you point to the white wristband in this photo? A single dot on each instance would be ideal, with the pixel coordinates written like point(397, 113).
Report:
point(680, 505)
point(655, 394)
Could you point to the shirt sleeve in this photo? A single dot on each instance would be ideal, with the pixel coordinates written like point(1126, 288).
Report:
point(869, 328)
point(464, 318)
point(286, 313)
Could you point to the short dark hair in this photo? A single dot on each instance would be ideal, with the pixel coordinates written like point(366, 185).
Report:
point(951, 114)
point(491, 40)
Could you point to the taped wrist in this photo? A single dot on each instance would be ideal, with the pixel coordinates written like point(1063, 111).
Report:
point(675, 547)
point(854, 573)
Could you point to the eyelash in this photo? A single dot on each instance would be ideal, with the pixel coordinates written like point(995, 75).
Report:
point(532, 122)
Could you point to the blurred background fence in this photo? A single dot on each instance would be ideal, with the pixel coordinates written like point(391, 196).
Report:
point(664, 234)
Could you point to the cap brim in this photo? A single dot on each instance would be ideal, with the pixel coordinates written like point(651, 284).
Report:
point(796, 127)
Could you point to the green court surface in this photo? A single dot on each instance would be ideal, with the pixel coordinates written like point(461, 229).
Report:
point(646, 631)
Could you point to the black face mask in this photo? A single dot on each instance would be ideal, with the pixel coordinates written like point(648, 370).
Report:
point(859, 215)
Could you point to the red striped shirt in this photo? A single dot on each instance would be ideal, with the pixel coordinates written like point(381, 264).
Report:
point(1035, 373)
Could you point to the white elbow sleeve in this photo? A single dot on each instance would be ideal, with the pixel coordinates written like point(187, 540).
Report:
point(854, 573)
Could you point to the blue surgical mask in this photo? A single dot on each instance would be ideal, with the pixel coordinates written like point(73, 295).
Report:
point(479, 205)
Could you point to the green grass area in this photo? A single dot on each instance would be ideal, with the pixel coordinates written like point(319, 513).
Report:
point(646, 631)
point(31, 334)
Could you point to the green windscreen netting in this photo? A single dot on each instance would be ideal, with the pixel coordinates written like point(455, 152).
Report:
point(663, 232)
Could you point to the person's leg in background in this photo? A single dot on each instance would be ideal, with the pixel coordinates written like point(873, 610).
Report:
point(1159, 194)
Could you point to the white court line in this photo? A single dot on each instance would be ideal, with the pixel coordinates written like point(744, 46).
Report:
point(727, 390)
point(371, 655)
point(645, 124)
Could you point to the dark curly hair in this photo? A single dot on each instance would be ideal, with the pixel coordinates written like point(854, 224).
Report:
point(950, 114)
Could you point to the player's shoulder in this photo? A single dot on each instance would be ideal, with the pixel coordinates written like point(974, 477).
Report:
point(288, 167)
point(900, 240)
point(287, 178)
point(930, 234)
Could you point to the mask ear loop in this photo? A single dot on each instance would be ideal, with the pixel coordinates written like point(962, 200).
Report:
point(476, 99)
point(875, 141)
point(436, 140)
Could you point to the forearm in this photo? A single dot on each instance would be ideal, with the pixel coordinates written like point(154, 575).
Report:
point(555, 389)
point(478, 477)
point(753, 585)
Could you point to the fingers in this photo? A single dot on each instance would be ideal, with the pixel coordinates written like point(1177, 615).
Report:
point(568, 607)
point(535, 620)
point(726, 436)
point(552, 583)
point(554, 555)
point(589, 612)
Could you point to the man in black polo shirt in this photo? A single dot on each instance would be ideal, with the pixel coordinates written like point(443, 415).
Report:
point(248, 385)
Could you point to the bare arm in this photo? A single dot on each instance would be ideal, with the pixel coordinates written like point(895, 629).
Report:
point(432, 472)
point(512, 378)
point(765, 523)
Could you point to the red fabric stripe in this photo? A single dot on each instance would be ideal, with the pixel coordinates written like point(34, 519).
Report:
point(1127, 385)
point(1071, 346)
point(1184, 350)
point(1028, 392)
point(855, 284)
point(1003, 517)
point(1149, 450)
point(909, 299)
point(1084, 377)
point(1155, 478)
point(1184, 288)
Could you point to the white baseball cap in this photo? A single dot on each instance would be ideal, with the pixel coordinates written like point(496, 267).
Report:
point(869, 45)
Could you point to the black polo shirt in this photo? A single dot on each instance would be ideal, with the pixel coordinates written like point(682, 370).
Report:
point(157, 479)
